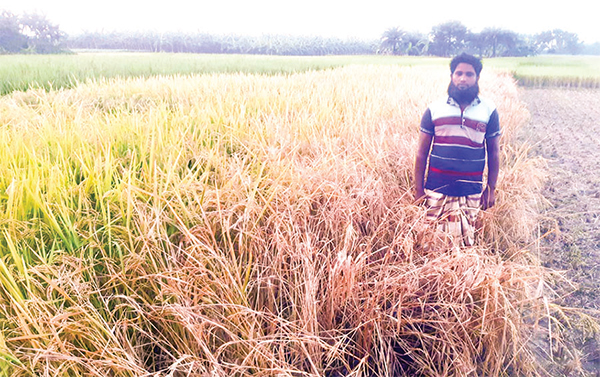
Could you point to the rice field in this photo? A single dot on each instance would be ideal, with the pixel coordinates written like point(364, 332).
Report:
point(553, 70)
point(52, 72)
point(237, 224)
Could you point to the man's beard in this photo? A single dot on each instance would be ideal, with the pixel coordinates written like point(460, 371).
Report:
point(463, 96)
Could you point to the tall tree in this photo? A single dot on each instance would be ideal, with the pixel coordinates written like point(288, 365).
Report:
point(400, 42)
point(11, 39)
point(417, 44)
point(42, 36)
point(497, 42)
point(558, 41)
point(448, 38)
point(393, 41)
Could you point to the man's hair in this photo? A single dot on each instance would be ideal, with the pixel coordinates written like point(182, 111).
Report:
point(468, 59)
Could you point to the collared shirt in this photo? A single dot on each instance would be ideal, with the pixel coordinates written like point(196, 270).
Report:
point(457, 158)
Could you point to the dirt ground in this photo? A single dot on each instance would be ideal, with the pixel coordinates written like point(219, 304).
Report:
point(565, 129)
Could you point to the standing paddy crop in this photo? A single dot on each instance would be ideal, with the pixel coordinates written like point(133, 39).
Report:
point(237, 224)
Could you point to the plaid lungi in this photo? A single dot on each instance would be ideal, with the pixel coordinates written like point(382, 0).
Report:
point(456, 216)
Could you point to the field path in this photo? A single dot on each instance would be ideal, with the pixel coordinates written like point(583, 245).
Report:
point(565, 129)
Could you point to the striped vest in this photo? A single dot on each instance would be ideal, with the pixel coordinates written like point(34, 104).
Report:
point(457, 158)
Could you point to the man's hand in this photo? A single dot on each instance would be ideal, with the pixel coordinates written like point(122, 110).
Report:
point(488, 198)
point(420, 164)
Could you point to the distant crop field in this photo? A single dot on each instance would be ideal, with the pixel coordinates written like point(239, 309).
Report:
point(22, 72)
point(552, 71)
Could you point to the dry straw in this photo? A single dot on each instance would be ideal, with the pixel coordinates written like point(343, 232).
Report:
point(233, 225)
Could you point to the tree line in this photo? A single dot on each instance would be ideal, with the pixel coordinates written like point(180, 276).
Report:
point(450, 38)
point(34, 33)
point(221, 44)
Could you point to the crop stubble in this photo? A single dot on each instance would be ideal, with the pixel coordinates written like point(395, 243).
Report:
point(564, 129)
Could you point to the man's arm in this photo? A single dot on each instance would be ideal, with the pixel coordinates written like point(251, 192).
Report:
point(421, 163)
point(488, 199)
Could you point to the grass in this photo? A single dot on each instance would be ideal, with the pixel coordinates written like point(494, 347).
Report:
point(246, 224)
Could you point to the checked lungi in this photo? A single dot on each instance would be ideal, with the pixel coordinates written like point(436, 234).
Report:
point(456, 216)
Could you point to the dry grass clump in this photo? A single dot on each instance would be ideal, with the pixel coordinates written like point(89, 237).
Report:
point(234, 225)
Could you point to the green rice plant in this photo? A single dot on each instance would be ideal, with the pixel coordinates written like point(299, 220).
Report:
point(552, 70)
point(53, 72)
point(242, 224)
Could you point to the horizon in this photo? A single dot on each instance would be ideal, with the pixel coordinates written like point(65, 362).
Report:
point(324, 18)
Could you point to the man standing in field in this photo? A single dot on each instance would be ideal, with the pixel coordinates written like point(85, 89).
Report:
point(458, 134)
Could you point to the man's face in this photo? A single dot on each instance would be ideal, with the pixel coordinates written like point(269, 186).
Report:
point(464, 76)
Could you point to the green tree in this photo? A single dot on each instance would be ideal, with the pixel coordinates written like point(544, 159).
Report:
point(591, 49)
point(558, 41)
point(11, 39)
point(399, 42)
point(418, 44)
point(393, 41)
point(497, 42)
point(42, 36)
point(448, 38)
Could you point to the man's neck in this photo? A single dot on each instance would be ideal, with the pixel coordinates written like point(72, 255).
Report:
point(463, 104)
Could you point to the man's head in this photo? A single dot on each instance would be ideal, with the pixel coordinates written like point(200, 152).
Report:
point(464, 84)
point(474, 62)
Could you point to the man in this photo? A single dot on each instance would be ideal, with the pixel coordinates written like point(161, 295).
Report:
point(458, 134)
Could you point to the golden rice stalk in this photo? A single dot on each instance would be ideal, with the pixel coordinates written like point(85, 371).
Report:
point(237, 225)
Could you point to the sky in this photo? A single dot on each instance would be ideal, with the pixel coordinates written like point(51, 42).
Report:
point(364, 19)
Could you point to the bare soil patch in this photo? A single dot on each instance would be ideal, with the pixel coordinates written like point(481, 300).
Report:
point(565, 130)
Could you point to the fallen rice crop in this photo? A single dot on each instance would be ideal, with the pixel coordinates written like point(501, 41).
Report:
point(238, 224)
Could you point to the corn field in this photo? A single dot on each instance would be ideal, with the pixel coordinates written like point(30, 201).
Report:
point(242, 224)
